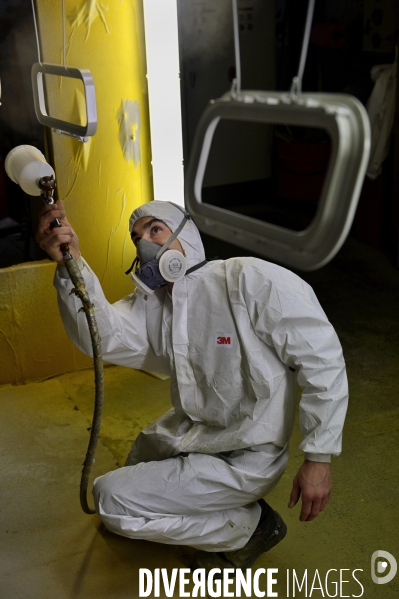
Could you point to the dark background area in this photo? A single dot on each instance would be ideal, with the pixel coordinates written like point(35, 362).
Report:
point(18, 125)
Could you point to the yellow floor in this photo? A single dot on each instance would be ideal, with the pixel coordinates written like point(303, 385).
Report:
point(51, 550)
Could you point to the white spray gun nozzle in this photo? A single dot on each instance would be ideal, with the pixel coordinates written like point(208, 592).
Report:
point(26, 165)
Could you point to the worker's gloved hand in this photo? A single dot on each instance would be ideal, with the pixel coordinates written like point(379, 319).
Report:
point(51, 239)
point(313, 482)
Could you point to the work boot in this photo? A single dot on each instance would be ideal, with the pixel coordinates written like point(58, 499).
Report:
point(269, 532)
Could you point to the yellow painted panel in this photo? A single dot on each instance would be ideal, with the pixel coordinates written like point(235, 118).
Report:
point(101, 182)
point(33, 343)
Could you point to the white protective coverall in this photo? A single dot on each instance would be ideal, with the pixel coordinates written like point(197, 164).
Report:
point(235, 337)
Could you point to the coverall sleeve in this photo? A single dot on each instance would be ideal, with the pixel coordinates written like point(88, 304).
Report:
point(286, 314)
point(122, 326)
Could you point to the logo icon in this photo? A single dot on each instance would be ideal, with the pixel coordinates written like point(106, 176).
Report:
point(224, 340)
point(383, 558)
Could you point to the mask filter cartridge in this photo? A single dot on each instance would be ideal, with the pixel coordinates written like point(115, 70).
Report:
point(172, 266)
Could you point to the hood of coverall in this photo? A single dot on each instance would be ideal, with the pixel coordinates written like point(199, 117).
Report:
point(189, 236)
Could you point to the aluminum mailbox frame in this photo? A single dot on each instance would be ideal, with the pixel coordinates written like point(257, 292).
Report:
point(345, 120)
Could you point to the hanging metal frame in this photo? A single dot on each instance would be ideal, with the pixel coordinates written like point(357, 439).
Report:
point(60, 126)
point(345, 120)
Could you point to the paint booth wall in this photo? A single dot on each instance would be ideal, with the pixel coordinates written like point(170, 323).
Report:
point(101, 181)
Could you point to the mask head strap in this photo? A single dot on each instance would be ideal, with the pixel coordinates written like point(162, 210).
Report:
point(135, 261)
point(176, 233)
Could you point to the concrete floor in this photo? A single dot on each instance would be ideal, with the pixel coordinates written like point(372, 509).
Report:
point(50, 549)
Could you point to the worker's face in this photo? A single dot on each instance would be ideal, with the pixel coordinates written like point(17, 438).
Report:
point(152, 229)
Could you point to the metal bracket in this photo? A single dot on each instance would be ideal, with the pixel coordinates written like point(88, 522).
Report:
point(345, 120)
point(81, 132)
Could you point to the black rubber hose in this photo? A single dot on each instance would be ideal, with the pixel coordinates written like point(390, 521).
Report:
point(87, 307)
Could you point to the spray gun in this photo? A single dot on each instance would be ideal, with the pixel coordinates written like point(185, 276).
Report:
point(47, 186)
point(26, 166)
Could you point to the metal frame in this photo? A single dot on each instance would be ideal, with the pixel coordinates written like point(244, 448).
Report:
point(346, 121)
point(60, 126)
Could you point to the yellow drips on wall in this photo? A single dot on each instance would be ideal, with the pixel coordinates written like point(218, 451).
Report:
point(101, 182)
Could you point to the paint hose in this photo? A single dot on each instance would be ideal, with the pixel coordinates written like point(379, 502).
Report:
point(47, 186)
point(80, 291)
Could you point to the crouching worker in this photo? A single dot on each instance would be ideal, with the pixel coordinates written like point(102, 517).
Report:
point(235, 336)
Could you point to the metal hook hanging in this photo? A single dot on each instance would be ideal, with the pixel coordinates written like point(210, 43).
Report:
point(236, 85)
point(36, 32)
point(63, 34)
point(296, 86)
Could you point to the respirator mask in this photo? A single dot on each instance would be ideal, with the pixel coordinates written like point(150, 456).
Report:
point(157, 265)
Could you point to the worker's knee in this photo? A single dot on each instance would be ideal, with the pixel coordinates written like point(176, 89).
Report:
point(104, 494)
point(118, 492)
point(98, 488)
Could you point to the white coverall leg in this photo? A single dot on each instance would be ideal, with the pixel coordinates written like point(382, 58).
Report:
point(205, 501)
